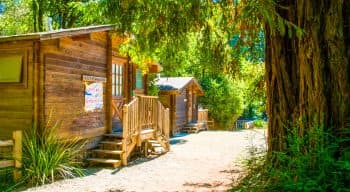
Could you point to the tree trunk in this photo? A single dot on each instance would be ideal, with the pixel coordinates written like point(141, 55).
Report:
point(308, 82)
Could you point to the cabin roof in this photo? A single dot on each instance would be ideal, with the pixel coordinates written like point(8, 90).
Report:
point(178, 83)
point(57, 33)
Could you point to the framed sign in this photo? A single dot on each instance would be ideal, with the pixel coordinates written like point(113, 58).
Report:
point(93, 96)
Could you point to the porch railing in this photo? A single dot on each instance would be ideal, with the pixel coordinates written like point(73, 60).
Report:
point(202, 116)
point(144, 112)
point(16, 160)
point(131, 127)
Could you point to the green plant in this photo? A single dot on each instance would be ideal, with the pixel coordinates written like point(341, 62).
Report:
point(259, 123)
point(310, 163)
point(46, 157)
point(6, 179)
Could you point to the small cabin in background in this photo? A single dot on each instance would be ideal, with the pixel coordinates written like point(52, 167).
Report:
point(78, 77)
point(181, 95)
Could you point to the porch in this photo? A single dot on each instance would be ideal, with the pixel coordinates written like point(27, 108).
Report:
point(145, 129)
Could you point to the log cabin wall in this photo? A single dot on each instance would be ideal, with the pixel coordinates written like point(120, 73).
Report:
point(189, 105)
point(181, 111)
point(17, 99)
point(66, 60)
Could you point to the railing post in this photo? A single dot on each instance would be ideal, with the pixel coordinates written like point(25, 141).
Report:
point(124, 157)
point(17, 154)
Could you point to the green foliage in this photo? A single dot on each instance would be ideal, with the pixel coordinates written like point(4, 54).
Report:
point(259, 123)
point(310, 163)
point(16, 17)
point(46, 157)
point(153, 89)
point(252, 74)
point(6, 179)
point(222, 98)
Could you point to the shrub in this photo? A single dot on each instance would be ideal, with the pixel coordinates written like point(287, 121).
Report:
point(313, 162)
point(46, 157)
point(259, 123)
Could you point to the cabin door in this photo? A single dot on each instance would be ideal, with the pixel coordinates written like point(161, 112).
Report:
point(194, 108)
point(118, 77)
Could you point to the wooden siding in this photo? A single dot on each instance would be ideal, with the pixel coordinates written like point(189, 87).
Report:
point(16, 102)
point(66, 61)
point(180, 111)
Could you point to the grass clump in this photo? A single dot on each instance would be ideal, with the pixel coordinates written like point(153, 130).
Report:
point(318, 161)
point(46, 157)
point(259, 123)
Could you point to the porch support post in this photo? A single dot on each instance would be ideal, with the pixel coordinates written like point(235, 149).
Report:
point(109, 85)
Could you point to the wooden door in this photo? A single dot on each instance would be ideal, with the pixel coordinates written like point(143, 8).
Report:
point(194, 108)
point(118, 93)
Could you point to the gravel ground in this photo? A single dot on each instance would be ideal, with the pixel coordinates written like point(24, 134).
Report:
point(207, 161)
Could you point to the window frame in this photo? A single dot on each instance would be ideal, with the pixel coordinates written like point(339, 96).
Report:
point(137, 72)
point(117, 79)
point(24, 69)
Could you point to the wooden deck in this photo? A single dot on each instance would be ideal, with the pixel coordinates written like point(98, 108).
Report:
point(145, 129)
point(200, 124)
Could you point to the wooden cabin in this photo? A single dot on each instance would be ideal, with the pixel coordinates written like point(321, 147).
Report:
point(77, 77)
point(180, 95)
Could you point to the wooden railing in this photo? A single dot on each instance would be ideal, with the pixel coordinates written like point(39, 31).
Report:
point(155, 116)
point(144, 112)
point(202, 116)
point(148, 112)
point(131, 127)
point(16, 160)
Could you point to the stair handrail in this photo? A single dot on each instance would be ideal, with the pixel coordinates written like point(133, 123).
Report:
point(131, 127)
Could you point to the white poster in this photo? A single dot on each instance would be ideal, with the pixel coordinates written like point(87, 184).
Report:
point(93, 96)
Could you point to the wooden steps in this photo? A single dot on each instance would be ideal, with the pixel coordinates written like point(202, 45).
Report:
point(109, 151)
point(156, 148)
point(113, 152)
point(116, 135)
point(114, 162)
point(191, 128)
point(111, 143)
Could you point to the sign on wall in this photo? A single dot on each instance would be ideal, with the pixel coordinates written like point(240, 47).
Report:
point(93, 96)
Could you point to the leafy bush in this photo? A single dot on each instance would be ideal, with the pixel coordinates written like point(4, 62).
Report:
point(259, 123)
point(46, 157)
point(6, 179)
point(222, 98)
point(313, 162)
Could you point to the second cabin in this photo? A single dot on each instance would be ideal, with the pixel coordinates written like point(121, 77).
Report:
point(78, 77)
point(181, 96)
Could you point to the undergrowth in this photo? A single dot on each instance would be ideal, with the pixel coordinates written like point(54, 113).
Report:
point(318, 161)
point(46, 157)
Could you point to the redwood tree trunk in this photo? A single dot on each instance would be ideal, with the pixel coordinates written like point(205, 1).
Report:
point(308, 79)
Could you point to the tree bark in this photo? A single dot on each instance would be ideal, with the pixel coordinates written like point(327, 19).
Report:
point(308, 83)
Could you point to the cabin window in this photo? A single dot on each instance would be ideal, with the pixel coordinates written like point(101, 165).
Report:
point(117, 79)
point(11, 69)
point(139, 83)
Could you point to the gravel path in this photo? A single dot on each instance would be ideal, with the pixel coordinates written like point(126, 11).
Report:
point(207, 161)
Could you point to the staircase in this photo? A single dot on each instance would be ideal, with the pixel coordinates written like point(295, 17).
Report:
point(145, 127)
point(109, 151)
point(191, 128)
point(155, 148)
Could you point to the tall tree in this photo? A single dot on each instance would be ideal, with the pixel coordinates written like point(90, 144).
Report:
point(308, 77)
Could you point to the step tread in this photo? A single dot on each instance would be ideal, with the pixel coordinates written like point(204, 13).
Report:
point(156, 145)
point(100, 160)
point(145, 131)
point(111, 142)
point(119, 135)
point(108, 151)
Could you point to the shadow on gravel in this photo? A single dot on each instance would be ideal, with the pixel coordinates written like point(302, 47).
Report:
point(177, 141)
point(180, 135)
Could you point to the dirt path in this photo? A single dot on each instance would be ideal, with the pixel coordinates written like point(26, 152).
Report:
point(207, 161)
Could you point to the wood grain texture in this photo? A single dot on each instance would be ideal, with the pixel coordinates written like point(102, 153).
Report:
point(65, 65)
point(16, 102)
